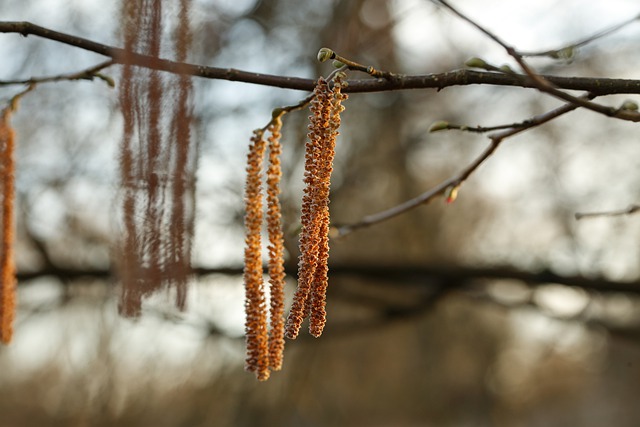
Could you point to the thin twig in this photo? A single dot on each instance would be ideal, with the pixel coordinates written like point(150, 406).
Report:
point(567, 50)
point(457, 180)
point(87, 74)
point(15, 99)
point(279, 112)
point(627, 211)
point(325, 54)
point(478, 129)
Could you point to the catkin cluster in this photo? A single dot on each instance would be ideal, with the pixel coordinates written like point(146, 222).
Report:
point(264, 346)
point(310, 297)
point(265, 332)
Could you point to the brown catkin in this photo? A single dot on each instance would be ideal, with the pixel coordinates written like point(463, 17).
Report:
point(265, 346)
point(7, 265)
point(276, 248)
point(310, 297)
point(255, 303)
point(310, 220)
point(317, 312)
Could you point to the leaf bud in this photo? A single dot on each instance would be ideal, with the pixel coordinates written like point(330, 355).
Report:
point(476, 63)
point(451, 194)
point(439, 125)
point(629, 105)
point(566, 53)
point(325, 53)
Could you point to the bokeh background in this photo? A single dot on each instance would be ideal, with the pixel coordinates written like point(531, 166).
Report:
point(450, 315)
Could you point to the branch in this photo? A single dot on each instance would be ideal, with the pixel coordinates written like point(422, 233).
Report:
point(88, 74)
point(452, 184)
point(598, 86)
point(567, 51)
point(541, 83)
point(628, 211)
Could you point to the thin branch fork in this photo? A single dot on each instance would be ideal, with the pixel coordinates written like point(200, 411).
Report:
point(90, 73)
point(462, 176)
point(598, 86)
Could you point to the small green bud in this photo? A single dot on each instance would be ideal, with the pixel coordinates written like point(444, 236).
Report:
point(566, 53)
point(506, 69)
point(325, 53)
point(629, 105)
point(338, 64)
point(439, 125)
point(476, 63)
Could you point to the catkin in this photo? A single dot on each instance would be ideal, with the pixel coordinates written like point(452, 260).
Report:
point(255, 305)
point(7, 264)
point(265, 337)
point(276, 249)
point(310, 297)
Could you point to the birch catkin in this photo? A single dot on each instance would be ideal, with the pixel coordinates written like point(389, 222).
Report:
point(7, 265)
point(310, 297)
point(265, 343)
point(257, 359)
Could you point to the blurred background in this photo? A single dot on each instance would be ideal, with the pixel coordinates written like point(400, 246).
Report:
point(497, 310)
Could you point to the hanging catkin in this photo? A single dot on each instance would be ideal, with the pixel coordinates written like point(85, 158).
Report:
point(7, 191)
point(276, 248)
point(310, 297)
point(255, 302)
point(265, 337)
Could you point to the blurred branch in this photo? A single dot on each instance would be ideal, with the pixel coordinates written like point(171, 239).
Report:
point(627, 332)
point(406, 283)
point(540, 82)
point(398, 276)
point(443, 125)
point(598, 86)
point(567, 51)
point(386, 313)
point(452, 184)
point(628, 211)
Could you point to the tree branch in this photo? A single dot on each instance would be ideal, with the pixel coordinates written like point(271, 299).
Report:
point(627, 211)
point(88, 74)
point(540, 82)
point(598, 86)
point(457, 180)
